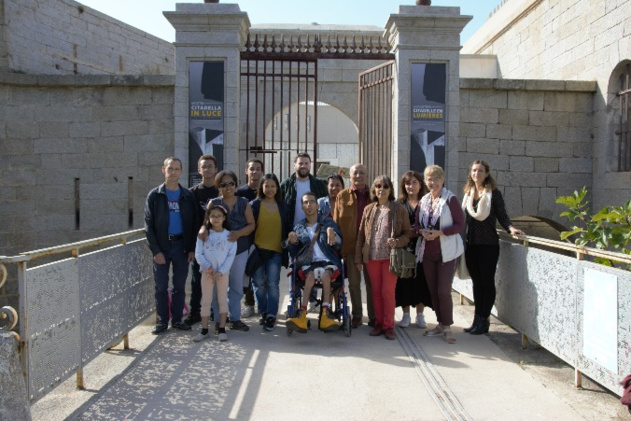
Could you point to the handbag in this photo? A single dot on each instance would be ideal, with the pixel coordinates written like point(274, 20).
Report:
point(402, 262)
point(254, 262)
point(304, 257)
point(462, 272)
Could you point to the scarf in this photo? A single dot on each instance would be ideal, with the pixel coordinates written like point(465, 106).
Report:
point(426, 207)
point(484, 205)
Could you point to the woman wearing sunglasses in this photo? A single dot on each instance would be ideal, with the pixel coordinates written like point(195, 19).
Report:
point(242, 224)
point(384, 225)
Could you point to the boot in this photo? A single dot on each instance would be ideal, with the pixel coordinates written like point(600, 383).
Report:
point(298, 323)
point(326, 322)
point(481, 327)
point(476, 321)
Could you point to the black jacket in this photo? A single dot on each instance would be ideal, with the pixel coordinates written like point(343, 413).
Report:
point(157, 219)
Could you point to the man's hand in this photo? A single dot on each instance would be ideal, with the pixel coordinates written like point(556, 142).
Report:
point(233, 236)
point(159, 259)
point(392, 242)
point(358, 266)
point(191, 256)
point(292, 238)
point(217, 276)
point(330, 232)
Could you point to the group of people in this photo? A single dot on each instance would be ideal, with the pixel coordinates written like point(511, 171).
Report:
point(226, 230)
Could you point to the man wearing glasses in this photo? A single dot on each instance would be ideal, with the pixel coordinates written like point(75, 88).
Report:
point(204, 191)
point(170, 223)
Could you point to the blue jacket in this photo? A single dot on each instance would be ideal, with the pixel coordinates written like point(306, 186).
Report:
point(331, 252)
point(157, 219)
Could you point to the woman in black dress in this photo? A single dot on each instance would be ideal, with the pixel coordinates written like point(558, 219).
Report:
point(412, 291)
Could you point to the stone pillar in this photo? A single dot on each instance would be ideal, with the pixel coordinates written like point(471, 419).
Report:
point(426, 34)
point(14, 404)
point(4, 51)
point(208, 32)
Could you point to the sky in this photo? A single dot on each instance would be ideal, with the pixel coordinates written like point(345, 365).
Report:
point(147, 14)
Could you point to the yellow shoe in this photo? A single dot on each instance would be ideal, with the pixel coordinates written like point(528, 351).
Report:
point(328, 323)
point(298, 323)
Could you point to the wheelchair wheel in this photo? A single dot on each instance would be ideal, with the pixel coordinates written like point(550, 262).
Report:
point(289, 331)
point(347, 326)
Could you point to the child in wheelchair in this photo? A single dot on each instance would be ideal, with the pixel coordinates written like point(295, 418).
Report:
point(313, 243)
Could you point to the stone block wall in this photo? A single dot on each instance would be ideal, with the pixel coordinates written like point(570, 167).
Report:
point(96, 142)
point(535, 135)
point(569, 40)
point(65, 37)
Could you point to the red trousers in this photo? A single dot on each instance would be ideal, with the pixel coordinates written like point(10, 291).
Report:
point(384, 283)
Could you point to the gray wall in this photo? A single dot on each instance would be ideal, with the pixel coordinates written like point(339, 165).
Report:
point(536, 136)
point(64, 37)
point(569, 40)
point(100, 130)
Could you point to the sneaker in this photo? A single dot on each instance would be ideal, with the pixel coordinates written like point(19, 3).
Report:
point(191, 319)
point(298, 323)
point(248, 311)
point(157, 329)
point(263, 319)
point(270, 323)
point(223, 337)
point(327, 322)
point(180, 326)
point(405, 321)
point(420, 321)
point(239, 325)
point(200, 337)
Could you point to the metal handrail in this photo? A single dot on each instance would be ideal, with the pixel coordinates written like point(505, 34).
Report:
point(49, 251)
point(579, 250)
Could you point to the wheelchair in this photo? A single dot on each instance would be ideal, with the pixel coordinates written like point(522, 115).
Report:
point(339, 302)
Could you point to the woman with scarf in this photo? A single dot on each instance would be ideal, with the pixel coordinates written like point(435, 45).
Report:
point(439, 222)
point(484, 206)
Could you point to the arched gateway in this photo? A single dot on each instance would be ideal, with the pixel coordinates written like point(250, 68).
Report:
point(247, 91)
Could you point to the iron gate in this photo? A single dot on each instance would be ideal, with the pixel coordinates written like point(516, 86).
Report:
point(279, 99)
point(375, 118)
point(280, 125)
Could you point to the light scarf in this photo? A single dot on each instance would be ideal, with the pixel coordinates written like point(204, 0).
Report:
point(426, 207)
point(484, 205)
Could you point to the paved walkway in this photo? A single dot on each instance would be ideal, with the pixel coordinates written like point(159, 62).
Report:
point(262, 375)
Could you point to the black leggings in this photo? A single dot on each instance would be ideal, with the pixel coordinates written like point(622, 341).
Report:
point(482, 263)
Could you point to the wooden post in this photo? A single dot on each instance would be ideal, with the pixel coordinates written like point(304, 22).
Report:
point(578, 378)
point(524, 341)
point(80, 385)
point(126, 341)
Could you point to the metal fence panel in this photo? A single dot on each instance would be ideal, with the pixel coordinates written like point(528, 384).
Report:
point(542, 295)
point(76, 308)
point(116, 294)
point(53, 325)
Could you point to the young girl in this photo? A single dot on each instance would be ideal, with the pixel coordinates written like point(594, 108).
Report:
point(215, 256)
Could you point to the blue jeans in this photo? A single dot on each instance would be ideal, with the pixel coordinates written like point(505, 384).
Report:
point(235, 288)
point(267, 292)
point(178, 257)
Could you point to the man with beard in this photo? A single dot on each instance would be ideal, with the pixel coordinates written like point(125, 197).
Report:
point(298, 184)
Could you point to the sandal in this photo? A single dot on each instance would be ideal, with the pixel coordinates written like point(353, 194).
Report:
point(437, 331)
point(449, 337)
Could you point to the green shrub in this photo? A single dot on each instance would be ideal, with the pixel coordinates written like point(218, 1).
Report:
point(609, 229)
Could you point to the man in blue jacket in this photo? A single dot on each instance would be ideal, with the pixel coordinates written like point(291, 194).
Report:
point(170, 227)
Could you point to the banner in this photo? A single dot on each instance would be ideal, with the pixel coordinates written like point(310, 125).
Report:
point(206, 115)
point(428, 116)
